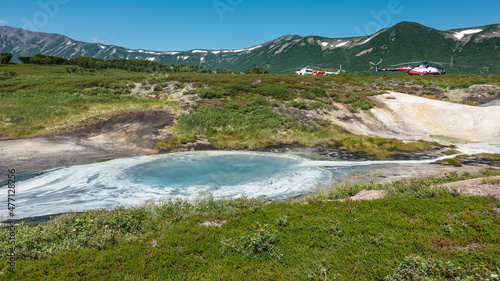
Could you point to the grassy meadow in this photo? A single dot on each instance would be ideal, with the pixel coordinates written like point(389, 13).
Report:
point(232, 111)
point(417, 232)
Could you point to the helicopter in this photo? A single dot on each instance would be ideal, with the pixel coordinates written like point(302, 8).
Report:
point(424, 68)
point(309, 71)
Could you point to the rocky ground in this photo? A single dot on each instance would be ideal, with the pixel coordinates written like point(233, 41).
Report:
point(410, 117)
point(122, 135)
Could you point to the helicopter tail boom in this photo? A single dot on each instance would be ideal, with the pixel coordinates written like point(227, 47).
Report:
point(393, 69)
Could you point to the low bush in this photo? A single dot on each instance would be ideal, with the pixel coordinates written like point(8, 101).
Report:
point(210, 93)
point(262, 241)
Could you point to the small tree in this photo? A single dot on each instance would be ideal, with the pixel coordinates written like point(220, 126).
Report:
point(25, 59)
point(256, 70)
point(5, 58)
point(223, 71)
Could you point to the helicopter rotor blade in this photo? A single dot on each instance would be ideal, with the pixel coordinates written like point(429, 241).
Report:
point(450, 64)
point(376, 63)
point(295, 68)
point(405, 63)
point(438, 63)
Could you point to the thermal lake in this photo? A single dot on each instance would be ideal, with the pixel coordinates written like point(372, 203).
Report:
point(184, 175)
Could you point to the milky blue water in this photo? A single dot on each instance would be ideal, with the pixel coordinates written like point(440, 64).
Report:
point(186, 176)
point(212, 170)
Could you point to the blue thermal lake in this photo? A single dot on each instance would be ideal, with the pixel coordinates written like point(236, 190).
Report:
point(186, 175)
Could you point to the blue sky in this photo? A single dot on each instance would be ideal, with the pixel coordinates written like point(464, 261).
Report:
point(232, 24)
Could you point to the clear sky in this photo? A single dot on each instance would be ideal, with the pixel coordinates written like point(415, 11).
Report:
point(177, 25)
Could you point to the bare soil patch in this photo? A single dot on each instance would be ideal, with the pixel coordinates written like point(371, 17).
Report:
point(476, 187)
point(121, 135)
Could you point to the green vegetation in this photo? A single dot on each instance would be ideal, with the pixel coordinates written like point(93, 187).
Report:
point(416, 233)
point(416, 187)
point(403, 42)
point(491, 180)
point(418, 268)
point(38, 99)
point(232, 110)
point(490, 156)
point(256, 70)
point(93, 64)
point(5, 58)
point(455, 161)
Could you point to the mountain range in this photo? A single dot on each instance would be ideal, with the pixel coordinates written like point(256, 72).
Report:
point(473, 50)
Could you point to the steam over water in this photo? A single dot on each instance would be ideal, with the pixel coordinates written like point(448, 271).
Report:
point(187, 175)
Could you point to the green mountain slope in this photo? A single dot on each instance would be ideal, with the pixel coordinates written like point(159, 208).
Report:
point(464, 51)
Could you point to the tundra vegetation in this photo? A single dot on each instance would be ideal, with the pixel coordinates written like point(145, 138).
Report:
point(232, 111)
point(417, 232)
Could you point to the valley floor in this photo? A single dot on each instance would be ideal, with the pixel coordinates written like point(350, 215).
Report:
point(395, 115)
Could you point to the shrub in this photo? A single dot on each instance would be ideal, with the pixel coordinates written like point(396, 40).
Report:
point(281, 220)
point(417, 268)
point(308, 95)
point(490, 180)
point(158, 88)
point(179, 85)
point(299, 104)
point(262, 241)
point(210, 94)
point(319, 92)
point(281, 94)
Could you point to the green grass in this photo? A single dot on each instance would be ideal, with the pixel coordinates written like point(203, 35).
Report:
point(43, 98)
point(252, 126)
point(438, 234)
point(490, 180)
point(455, 161)
point(235, 111)
point(413, 187)
point(490, 156)
point(417, 229)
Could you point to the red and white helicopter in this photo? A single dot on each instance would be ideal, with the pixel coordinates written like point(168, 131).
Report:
point(309, 71)
point(424, 68)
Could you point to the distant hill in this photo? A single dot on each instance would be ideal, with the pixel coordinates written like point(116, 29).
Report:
point(474, 50)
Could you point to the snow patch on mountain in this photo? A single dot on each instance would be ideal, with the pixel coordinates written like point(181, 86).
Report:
point(461, 34)
point(253, 48)
point(366, 41)
point(341, 44)
point(233, 50)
